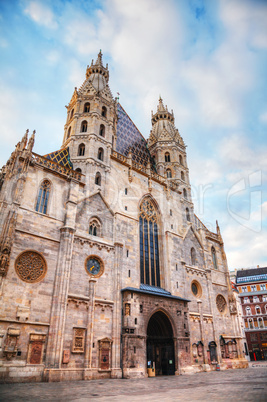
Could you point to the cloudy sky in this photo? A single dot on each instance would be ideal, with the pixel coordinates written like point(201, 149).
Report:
point(207, 59)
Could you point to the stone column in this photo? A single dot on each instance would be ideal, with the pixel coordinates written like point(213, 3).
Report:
point(202, 335)
point(90, 325)
point(116, 322)
point(59, 301)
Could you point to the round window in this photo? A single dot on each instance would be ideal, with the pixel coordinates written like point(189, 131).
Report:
point(196, 289)
point(30, 266)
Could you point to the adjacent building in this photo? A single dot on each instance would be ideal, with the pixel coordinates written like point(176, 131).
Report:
point(105, 270)
point(252, 287)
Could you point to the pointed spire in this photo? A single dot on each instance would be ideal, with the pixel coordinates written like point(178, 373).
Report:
point(99, 59)
point(218, 229)
point(24, 140)
point(31, 141)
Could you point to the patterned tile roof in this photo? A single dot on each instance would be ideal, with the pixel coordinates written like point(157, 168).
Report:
point(129, 137)
point(62, 157)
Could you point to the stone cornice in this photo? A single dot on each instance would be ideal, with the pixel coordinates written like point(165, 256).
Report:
point(194, 270)
point(93, 242)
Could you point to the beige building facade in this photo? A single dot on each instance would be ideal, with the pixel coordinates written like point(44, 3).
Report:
point(105, 270)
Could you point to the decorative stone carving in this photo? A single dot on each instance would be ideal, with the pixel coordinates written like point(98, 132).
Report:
point(93, 243)
point(10, 348)
point(196, 271)
point(30, 266)
point(78, 302)
point(232, 306)
point(221, 303)
point(105, 353)
point(6, 242)
point(78, 340)
point(36, 348)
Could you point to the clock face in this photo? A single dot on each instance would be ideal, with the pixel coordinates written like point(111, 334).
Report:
point(94, 266)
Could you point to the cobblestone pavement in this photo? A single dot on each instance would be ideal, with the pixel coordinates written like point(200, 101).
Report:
point(231, 385)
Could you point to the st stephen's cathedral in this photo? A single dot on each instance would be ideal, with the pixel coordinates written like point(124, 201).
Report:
point(105, 270)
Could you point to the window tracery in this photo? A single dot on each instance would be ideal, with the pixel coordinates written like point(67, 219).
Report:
point(214, 258)
point(169, 173)
point(30, 266)
point(84, 126)
point(81, 150)
point(43, 197)
point(167, 157)
point(86, 107)
point(221, 303)
point(94, 227)
point(193, 256)
point(149, 245)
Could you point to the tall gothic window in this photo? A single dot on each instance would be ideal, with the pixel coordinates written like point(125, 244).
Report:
point(187, 214)
point(193, 256)
point(84, 126)
point(94, 227)
point(181, 160)
point(69, 131)
point(169, 173)
point(104, 111)
point(149, 243)
point(100, 154)
point(81, 150)
point(185, 193)
point(214, 258)
point(43, 196)
point(182, 176)
point(98, 179)
point(102, 130)
point(167, 157)
point(86, 108)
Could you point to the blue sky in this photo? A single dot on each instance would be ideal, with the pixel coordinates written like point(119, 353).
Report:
point(207, 59)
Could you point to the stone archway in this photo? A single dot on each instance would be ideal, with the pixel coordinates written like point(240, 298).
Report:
point(160, 344)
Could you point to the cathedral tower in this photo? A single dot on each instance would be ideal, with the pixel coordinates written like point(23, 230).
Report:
point(168, 150)
point(90, 129)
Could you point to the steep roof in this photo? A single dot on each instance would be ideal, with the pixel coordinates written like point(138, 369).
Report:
point(61, 156)
point(130, 138)
point(251, 275)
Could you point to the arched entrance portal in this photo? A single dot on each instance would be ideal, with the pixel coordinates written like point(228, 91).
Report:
point(160, 346)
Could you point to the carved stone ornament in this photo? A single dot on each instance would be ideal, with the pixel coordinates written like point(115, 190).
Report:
point(30, 266)
point(221, 303)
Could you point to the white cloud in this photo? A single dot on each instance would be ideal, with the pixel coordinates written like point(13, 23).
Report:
point(41, 14)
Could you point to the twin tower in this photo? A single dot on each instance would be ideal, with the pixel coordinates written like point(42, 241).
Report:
point(90, 132)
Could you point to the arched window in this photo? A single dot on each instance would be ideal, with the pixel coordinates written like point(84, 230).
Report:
point(169, 173)
point(69, 132)
point(86, 108)
point(94, 227)
point(149, 244)
point(182, 176)
point(214, 258)
point(181, 160)
point(84, 126)
point(43, 196)
point(248, 311)
point(71, 114)
point(78, 170)
point(185, 193)
point(100, 154)
point(258, 310)
point(104, 111)
point(250, 323)
point(260, 322)
point(193, 256)
point(187, 214)
point(81, 150)
point(102, 130)
point(167, 157)
point(98, 179)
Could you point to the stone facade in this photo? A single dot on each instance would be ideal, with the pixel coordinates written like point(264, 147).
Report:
point(105, 271)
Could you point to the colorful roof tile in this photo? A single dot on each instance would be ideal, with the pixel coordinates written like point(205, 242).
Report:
point(130, 138)
point(62, 157)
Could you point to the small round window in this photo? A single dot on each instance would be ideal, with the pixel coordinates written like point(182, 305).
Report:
point(196, 289)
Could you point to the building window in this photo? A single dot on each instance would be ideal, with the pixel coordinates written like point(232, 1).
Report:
point(69, 132)
point(30, 266)
point(264, 298)
point(84, 126)
point(253, 288)
point(102, 130)
point(187, 214)
point(260, 322)
point(258, 310)
point(81, 150)
point(196, 289)
point(181, 160)
point(182, 176)
point(104, 111)
point(43, 197)
point(170, 212)
point(256, 299)
point(263, 287)
point(185, 193)
point(149, 244)
point(100, 154)
point(98, 179)
point(246, 300)
point(248, 311)
point(251, 323)
point(214, 258)
point(94, 227)
point(169, 173)
point(86, 108)
point(125, 191)
point(193, 256)
point(167, 157)
point(244, 289)
point(71, 114)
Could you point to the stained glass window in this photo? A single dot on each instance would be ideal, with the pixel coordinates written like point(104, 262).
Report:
point(149, 249)
point(43, 196)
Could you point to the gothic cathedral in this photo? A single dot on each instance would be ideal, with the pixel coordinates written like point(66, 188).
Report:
point(105, 270)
